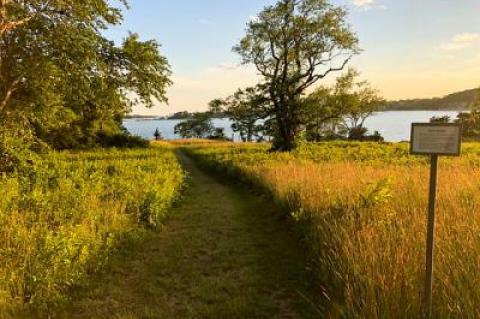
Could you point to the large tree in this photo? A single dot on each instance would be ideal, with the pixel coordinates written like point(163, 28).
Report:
point(294, 44)
point(63, 78)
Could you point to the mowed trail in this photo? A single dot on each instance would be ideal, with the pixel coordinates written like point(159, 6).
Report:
point(223, 253)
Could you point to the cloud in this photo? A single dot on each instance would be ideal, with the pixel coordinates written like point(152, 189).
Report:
point(461, 41)
point(363, 3)
point(225, 66)
point(369, 4)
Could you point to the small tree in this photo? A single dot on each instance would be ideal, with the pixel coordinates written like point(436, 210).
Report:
point(200, 126)
point(358, 100)
point(245, 108)
point(321, 114)
point(440, 119)
point(158, 135)
point(294, 44)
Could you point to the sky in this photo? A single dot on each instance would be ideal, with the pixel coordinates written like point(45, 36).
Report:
point(410, 48)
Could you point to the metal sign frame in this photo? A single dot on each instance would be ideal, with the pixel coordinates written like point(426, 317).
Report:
point(459, 142)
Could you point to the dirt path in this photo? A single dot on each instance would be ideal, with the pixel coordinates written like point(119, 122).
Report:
point(224, 253)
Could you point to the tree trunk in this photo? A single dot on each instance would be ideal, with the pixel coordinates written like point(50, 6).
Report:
point(285, 141)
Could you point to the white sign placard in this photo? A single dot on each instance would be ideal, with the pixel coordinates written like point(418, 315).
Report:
point(436, 139)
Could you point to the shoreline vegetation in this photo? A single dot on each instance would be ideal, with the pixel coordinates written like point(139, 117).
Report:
point(459, 101)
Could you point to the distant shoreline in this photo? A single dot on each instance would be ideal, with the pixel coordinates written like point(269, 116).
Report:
point(424, 110)
point(166, 118)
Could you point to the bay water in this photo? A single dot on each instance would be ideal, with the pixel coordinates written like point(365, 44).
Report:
point(394, 126)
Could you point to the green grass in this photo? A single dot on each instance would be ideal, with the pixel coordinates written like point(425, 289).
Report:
point(223, 253)
point(62, 218)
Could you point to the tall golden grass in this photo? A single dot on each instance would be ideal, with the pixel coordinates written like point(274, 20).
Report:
point(365, 225)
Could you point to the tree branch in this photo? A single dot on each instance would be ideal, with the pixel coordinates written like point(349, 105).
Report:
point(8, 95)
point(314, 78)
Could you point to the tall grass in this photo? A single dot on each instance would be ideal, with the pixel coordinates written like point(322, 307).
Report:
point(62, 218)
point(363, 217)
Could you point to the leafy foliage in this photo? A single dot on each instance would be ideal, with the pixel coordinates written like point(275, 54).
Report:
point(245, 108)
point(60, 221)
point(63, 78)
point(200, 126)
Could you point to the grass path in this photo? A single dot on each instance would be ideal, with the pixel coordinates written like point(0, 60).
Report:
point(224, 253)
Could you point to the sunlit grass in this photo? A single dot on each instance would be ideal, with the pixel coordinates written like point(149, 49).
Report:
point(60, 221)
point(362, 210)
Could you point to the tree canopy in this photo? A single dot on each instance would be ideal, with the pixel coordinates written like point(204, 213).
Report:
point(200, 126)
point(341, 109)
point(63, 79)
point(246, 108)
point(294, 44)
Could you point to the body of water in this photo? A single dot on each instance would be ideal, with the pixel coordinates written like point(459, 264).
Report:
point(393, 125)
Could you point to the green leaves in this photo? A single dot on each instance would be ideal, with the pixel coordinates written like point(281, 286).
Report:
point(146, 72)
point(68, 80)
point(61, 219)
point(200, 126)
point(294, 44)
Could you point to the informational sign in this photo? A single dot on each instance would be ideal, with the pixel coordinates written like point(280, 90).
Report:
point(436, 139)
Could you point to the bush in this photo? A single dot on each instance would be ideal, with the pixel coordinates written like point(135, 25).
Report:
point(17, 146)
point(122, 140)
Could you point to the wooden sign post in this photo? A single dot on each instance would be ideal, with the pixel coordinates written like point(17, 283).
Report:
point(433, 139)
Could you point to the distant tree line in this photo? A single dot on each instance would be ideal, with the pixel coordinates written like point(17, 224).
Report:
point(470, 121)
point(185, 115)
point(457, 101)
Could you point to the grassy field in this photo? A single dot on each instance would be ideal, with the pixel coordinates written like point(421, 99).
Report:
point(222, 253)
point(62, 218)
point(361, 209)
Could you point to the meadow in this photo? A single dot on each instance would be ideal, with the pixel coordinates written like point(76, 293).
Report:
point(66, 213)
point(361, 211)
